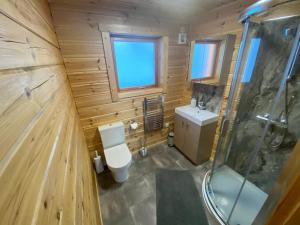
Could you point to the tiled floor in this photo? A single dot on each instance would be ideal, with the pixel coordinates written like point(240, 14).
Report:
point(134, 202)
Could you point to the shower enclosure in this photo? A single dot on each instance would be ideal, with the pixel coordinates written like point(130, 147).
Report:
point(261, 123)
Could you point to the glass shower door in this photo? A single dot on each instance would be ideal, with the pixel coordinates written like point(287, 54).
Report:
point(252, 103)
point(279, 95)
point(225, 183)
point(250, 30)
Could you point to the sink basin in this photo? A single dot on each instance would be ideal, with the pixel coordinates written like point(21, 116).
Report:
point(200, 117)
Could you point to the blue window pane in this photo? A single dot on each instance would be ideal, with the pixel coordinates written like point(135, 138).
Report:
point(135, 63)
point(203, 60)
point(251, 59)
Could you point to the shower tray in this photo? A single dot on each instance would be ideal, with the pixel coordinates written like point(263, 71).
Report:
point(227, 184)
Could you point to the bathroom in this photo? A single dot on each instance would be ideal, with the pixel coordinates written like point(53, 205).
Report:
point(132, 112)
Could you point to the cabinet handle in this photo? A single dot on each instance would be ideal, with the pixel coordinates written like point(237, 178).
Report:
point(182, 123)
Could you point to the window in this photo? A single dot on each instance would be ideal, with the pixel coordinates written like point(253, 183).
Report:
point(135, 62)
point(204, 59)
point(135, 65)
point(210, 60)
point(251, 59)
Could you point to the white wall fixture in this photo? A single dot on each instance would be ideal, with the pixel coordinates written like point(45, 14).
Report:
point(182, 36)
point(133, 125)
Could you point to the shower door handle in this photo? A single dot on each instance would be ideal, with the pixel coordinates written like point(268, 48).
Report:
point(224, 126)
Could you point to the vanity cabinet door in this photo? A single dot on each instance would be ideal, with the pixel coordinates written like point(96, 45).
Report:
point(191, 140)
point(179, 132)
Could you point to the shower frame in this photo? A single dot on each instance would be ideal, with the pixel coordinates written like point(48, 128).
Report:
point(262, 216)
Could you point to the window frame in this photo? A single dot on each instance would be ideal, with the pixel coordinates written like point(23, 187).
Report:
point(135, 39)
point(163, 59)
point(215, 60)
point(226, 53)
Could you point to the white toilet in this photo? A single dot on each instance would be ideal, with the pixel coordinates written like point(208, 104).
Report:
point(117, 154)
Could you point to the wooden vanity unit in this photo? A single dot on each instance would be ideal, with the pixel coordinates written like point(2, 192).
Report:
point(195, 132)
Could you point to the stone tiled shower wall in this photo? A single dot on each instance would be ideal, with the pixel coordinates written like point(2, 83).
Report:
point(211, 95)
point(257, 98)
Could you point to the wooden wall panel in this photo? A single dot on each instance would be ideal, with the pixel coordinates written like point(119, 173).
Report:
point(84, 57)
point(32, 14)
point(45, 168)
point(21, 48)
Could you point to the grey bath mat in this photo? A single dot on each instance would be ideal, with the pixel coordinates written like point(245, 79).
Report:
point(177, 199)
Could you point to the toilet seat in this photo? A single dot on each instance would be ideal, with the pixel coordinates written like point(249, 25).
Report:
point(117, 156)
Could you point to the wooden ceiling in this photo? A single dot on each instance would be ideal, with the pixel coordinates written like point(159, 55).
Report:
point(178, 11)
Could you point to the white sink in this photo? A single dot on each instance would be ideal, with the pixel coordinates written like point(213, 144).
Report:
point(200, 117)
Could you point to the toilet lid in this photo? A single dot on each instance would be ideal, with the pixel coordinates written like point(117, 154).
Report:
point(117, 156)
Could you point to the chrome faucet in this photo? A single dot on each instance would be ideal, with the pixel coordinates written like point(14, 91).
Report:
point(201, 105)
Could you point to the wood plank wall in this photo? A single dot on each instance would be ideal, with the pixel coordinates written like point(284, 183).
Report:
point(45, 170)
point(79, 25)
point(284, 200)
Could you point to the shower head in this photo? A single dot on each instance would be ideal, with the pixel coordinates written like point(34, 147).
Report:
point(255, 9)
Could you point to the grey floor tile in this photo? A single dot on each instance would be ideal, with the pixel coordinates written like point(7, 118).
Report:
point(165, 161)
point(142, 167)
point(198, 182)
point(107, 182)
point(202, 169)
point(150, 179)
point(114, 208)
point(126, 220)
point(175, 153)
point(136, 190)
point(157, 149)
point(134, 201)
point(144, 213)
point(185, 164)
